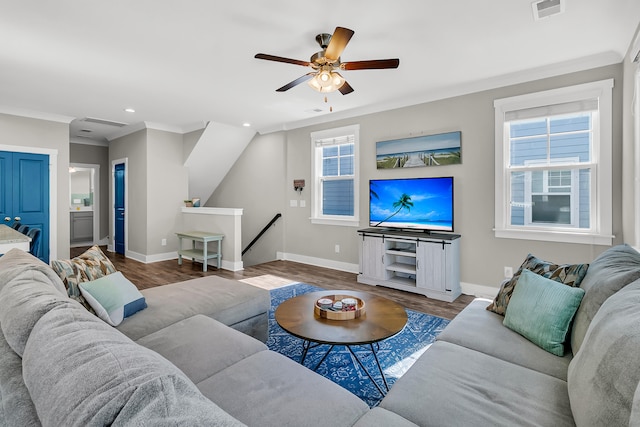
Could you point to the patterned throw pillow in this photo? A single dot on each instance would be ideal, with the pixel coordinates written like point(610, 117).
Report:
point(569, 274)
point(89, 266)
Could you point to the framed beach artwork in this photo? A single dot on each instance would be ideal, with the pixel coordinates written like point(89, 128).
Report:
point(428, 150)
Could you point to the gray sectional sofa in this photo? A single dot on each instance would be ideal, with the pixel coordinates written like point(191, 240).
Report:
point(61, 365)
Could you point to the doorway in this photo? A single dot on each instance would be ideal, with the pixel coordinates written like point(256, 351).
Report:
point(120, 217)
point(84, 204)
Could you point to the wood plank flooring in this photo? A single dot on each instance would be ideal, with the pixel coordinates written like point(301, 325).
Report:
point(165, 272)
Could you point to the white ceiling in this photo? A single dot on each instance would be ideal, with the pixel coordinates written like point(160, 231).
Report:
point(179, 63)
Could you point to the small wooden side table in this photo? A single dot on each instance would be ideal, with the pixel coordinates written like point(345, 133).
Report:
point(200, 254)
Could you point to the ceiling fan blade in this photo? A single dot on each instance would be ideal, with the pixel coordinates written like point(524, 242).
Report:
point(296, 82)
point(281, 59)
point(371, 65)
point(346, 88)
point(339, 40)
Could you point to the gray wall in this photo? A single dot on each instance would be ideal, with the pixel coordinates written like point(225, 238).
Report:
point(628, 158)
point(133, 147)
point(53, 135)
point(256, 183)
point(96, 155)
point(167, 187)
point(157, 184)
point(482, 255)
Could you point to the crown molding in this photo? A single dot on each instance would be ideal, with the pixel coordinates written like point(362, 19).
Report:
point(33, 114)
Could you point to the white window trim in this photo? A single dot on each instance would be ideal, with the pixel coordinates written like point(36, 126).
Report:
point(316, 194)
point(600, 232)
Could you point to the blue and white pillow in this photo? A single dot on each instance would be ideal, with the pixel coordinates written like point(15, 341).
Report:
point(113, 297)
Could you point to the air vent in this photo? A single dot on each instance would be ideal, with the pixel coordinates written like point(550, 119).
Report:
point(546, 8)
point(103, 122)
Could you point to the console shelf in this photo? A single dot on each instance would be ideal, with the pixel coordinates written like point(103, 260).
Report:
point(426, 264)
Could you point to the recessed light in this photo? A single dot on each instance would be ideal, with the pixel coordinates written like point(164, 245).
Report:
point(246, 125)
point(129, 110)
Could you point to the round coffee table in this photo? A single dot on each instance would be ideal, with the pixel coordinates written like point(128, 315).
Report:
point(382, 319)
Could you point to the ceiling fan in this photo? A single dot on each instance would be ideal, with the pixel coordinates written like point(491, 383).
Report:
point(325, 63)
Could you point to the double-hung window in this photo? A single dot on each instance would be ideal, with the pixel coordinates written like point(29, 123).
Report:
point(553, 165)
point(335, 184)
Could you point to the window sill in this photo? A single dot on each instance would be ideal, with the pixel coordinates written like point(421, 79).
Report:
point(340, 222)
point(555, 236)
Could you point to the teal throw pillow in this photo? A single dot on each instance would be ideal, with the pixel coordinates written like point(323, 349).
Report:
point(113, 297)
point(541, 310)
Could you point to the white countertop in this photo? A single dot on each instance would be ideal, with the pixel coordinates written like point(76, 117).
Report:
point(81, 209)
point(9, 235)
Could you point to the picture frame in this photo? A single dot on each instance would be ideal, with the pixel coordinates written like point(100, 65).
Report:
point(420, 151)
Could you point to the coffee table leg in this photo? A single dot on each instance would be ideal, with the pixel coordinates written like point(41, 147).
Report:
point(375, 355)
point(323, 357)
point(306, 345)
point(366, 371)
point(305, 348)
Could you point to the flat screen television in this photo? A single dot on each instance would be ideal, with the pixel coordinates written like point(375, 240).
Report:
point(424, 204)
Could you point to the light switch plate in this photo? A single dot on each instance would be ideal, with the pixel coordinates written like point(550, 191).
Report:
point(303, 203)
point(293, 203)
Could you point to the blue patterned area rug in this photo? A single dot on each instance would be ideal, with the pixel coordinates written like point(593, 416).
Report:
point(396, 354)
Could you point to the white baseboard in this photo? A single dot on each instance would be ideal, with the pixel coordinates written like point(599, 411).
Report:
point(320, 262)
point(481, 291)
point(473, 289)
point(167, 256)
point(161, 257)
point(229, 265)
point(136, 256)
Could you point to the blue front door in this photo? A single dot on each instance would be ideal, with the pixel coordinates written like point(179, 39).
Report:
point(119, 208)
point(25, 193)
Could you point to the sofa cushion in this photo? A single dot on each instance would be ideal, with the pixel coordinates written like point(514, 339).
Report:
point(608, 273)
point(171, 401)
point(541, 311)
point(24, 300)
point(381, 417)
point(16, 407)
point(15, 261)
point(604, 374)
point(212, 346)
point(113, 297)
point(80, 371)
point(90, 265)
point(569, 274)
point(225, 300)
point(268, 389)
point(483, 331)
point(450, 385)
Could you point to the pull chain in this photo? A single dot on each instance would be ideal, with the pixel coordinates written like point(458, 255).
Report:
point(330, 107)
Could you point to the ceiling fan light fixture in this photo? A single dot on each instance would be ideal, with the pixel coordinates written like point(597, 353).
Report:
point(326, 81)
point(324, 77)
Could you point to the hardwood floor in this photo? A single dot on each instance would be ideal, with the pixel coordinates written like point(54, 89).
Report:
point(165, 272)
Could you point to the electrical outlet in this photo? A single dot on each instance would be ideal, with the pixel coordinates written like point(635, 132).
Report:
point(164, 242)
point(337, 249)
point(508, 272)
